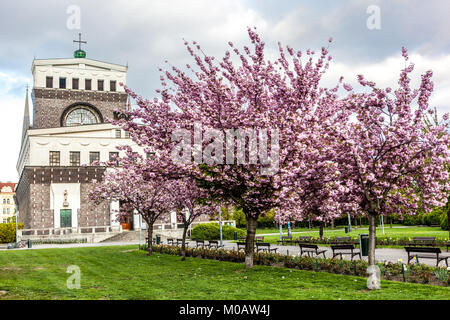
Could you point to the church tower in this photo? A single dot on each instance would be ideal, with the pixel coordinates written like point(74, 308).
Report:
point(72, 99)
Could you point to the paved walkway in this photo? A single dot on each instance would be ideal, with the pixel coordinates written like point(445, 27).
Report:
point(381, 254)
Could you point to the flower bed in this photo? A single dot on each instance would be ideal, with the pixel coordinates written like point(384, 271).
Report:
point(414, 273)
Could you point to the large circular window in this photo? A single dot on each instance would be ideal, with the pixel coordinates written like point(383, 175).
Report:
point(81, 115)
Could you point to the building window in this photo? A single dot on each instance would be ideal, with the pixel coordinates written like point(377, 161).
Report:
point(49, 82)
point(94, 156)
point(7, 201)
point(88, 84)
point(54, 158)
point(4, 201)
point(127, 134)
point(100, 85)
point(113, 157)
point(62, 83)
point(150, 155)
point(112, 85)
point(7, 211)
point(118, 133)
point(75, 84)
point(74, 158)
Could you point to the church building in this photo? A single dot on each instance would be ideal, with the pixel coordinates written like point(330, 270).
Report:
point(71, 100)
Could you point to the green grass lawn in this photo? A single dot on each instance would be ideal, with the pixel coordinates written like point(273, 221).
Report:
point(123, 272)
point(408, 232)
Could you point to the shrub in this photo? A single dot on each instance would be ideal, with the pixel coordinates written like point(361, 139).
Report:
point(239, 217)
point(210, 231)
point(8, 232)
point(444, 221)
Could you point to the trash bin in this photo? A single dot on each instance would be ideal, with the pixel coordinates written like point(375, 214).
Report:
point(364, 244)
point(158, 239)
point(29, 243)
point(235, 235)
point(346, 229)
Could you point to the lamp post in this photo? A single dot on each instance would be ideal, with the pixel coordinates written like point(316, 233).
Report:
point(220, 225)
point(382, 223)
point(279, 222)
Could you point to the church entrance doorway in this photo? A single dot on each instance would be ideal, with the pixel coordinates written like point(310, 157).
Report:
point(66, 218)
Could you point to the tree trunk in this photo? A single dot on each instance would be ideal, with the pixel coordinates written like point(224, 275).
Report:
point(332, 224)
point(183, 244)
point(150, 239)
point(250, 240)
point(372, 237)
point(391, 221)
point(321, 230)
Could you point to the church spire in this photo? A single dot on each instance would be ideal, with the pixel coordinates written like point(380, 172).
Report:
point(26, 117)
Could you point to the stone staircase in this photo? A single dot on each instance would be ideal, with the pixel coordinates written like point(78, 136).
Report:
point(126, 236)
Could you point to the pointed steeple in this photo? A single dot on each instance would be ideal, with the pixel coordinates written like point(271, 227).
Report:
point(26, 117)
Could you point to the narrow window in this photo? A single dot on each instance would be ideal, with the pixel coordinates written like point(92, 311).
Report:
point(7, 201)
point(118, 133)
point(75, 84)
point(113, 157)
point(150, 155)
point(94, 156)
point(127, 134)
point(87, 84)
point(112, 85)
point(62, 83)
point(100, 85)
point(54, 158)
point(49, 82)
point(74, 158)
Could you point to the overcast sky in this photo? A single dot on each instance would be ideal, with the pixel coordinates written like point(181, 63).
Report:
point(143, 34)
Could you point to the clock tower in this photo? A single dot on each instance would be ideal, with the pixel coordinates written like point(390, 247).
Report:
point(72, 99)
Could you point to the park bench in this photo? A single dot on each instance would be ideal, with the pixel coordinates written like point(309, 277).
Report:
point(423, 241)
point(426, 253)
point(199, 243)
point(447, 245)
point(340, 249)
point(304, 239)
point(311, 249)
point(240, 245)
point(259, 238)
point(213, 244)
point(346, 240)
point(170, 241)
point(285, 239)
point(180, 242)
point(264, 247)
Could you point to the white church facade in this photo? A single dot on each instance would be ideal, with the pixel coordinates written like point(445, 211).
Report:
point(71, 100)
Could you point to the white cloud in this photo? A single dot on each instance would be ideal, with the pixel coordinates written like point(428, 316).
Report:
point(385, 73)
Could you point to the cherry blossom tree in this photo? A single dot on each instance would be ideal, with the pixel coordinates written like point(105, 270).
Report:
point(394, 164)
point(269, 108)
point(137, 191)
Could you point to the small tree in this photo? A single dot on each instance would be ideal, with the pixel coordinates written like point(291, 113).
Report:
point(136, 190)
point(395, 165)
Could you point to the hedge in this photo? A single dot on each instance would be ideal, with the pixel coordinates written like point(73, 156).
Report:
point(8, 232)
point(210, 231)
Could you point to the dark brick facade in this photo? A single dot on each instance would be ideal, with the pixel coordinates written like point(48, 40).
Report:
point(33, 195)
point(50, 104)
